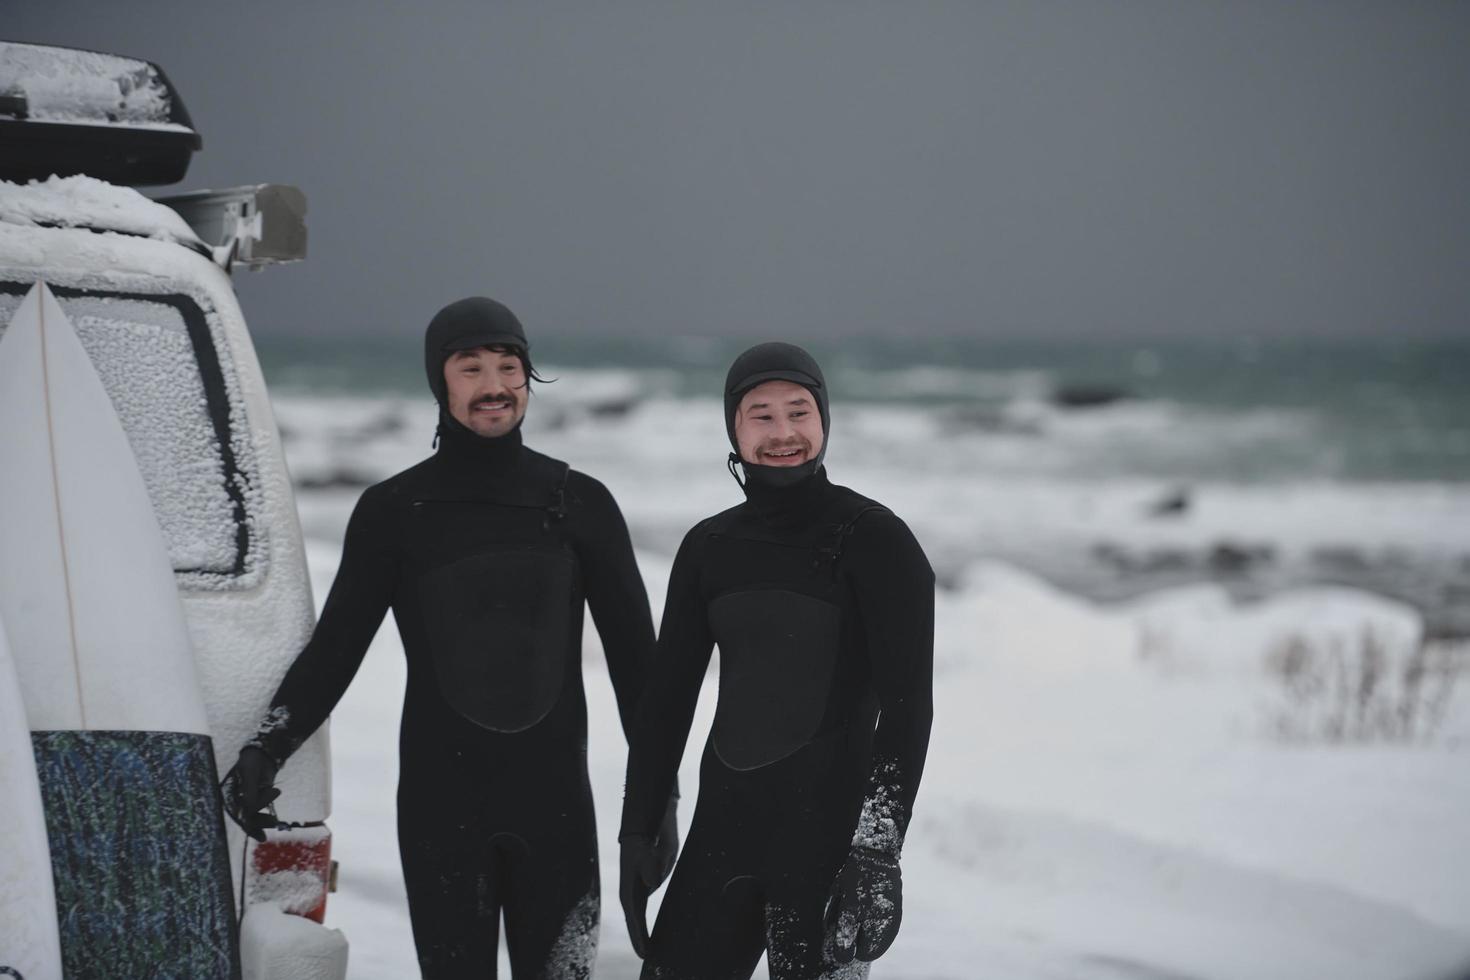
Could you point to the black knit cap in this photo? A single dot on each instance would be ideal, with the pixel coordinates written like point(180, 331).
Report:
point(465, 324)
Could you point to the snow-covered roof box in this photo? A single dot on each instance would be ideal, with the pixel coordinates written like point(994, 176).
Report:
point(65, 111)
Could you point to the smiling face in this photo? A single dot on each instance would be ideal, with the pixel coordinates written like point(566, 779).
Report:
point(778, 424)
point(486, 390)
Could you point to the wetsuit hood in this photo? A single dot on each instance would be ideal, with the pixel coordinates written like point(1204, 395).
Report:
point(476, 321)
point(775, 361)
point(465, 324)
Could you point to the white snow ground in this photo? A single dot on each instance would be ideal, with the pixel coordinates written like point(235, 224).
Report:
point(1107, 796)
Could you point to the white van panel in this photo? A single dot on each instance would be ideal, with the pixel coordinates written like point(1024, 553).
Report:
point(247, 623)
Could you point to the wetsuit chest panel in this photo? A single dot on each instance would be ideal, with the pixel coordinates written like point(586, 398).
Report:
point(778, 651)
point(498, 625)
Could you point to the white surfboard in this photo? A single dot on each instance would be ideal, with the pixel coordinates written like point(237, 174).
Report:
point(29, 945)
point(106, 672)
point(86, 586)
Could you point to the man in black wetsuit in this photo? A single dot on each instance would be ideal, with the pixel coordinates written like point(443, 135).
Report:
point(822, 604)
point(485, 552)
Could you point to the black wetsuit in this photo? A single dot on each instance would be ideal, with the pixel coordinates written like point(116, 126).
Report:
point(822, 604)
point(485, 552)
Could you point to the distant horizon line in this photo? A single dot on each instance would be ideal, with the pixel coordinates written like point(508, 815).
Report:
point(616, 337)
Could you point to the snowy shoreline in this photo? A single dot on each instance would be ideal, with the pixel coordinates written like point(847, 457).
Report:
point(1041, 505)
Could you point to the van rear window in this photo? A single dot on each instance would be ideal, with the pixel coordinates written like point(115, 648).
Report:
point(175, 394)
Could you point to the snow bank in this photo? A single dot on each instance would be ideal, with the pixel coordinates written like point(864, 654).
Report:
point(1090, 808)
point(1092, 901)
point(85, 202)
point(278, 946)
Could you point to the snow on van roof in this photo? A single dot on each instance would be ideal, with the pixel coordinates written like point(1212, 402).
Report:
point(86, 202)
point(63, 85)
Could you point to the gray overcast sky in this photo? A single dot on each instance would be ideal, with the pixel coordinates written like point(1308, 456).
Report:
point(1050, 167)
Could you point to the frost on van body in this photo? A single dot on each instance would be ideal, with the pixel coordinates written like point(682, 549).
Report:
point(146, 360)
point(248, 628)
point(297, 891)
point(86, 202)
point(87, 87)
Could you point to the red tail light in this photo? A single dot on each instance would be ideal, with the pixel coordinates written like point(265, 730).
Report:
point(293, 869)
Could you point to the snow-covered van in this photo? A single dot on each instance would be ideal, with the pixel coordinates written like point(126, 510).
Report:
point(146, 283)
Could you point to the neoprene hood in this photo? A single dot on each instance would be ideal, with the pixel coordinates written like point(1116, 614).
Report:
point(477, 321)
point(775, 361)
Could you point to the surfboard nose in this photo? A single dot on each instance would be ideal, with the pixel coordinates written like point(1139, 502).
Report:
point(86, 584)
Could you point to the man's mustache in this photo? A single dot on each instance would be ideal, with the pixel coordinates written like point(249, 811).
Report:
point(493, 400)
point(776, 446)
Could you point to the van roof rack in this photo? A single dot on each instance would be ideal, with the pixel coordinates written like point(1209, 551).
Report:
point(250, 227)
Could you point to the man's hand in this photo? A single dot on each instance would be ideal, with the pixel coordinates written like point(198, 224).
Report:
point(645, 865)
point(866, 906)
point(638, 878)
point(247, 790)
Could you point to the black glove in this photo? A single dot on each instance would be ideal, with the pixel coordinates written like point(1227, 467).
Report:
point(247, 791)
point(636, 881)
point(866, 906)
point(645, 865)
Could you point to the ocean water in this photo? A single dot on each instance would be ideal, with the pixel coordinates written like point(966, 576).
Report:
point(1111, 469)
point(1381, 410)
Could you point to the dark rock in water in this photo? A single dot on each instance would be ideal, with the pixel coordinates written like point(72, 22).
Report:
point(1397, 557)
point(384, 425)
point(1456, 593)
point(1115, 556)
point(1340, 558)
point(1235, 559)
point(988, 418)
point(1089, 395)
point(612, 408)
point(1172, 504)
point(334, 480)
point(1437, 584)
point(1143, 562)
point(1166, 560)
point(1223, 558)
